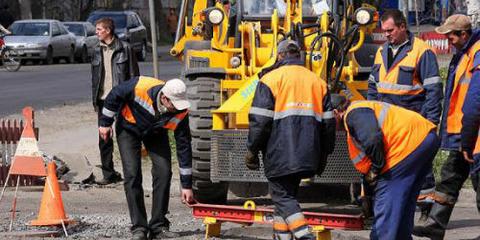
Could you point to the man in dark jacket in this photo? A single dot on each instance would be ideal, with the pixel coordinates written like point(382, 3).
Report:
point(146, 108)
point(463, 72)
point(291, 122)
point(113, 62)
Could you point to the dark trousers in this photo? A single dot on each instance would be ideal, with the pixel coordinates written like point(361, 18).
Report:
point(397, 191)
point(429, 183)
point(455, 172)
point(106, 150)
point(159, 151)
point(283, 191)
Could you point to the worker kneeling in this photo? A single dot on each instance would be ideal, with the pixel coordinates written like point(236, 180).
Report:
point(393, 148)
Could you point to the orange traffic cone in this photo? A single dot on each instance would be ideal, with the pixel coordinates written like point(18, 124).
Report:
point(51, 209)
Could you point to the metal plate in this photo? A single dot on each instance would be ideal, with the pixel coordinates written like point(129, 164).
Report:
point(228, 148)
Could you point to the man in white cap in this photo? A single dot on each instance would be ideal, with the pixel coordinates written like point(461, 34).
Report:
point(145, 109)
point(463, 75)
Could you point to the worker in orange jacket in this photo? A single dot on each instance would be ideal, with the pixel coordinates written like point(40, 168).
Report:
point(463, 71)
point(405, 73)
point(393, 148)
point(292, 124)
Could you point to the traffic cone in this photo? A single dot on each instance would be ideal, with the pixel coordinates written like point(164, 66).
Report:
point(27, 159)
point(51, 209)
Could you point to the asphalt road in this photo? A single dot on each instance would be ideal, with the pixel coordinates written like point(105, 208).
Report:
point(43, 86)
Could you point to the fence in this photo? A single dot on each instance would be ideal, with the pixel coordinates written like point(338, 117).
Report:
point(10, 133)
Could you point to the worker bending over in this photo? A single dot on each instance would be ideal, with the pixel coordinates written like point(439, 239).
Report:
point(394, 148)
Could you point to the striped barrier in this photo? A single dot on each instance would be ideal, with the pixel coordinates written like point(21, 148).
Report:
point(10, 133)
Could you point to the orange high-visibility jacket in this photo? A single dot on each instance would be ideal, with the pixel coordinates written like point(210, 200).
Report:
point(459, 79)
point(403, 131)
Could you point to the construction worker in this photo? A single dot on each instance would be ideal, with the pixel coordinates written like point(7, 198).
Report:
point(292, 124)
point(113, 62)
point(146, 108)
point(455, 171)
point(405, 73)
point(394, 148)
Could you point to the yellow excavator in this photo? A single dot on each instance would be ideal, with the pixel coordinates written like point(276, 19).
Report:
point(225, 44)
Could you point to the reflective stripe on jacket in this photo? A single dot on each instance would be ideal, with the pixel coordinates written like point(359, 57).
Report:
point(471, 116)
point(135, 103)
point(140, 113)
point(291, 121)
point(403, 131)
point(459, 76)
point(412, 81)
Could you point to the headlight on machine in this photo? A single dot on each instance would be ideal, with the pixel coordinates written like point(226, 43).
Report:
point(215, 16)
point(363, 16)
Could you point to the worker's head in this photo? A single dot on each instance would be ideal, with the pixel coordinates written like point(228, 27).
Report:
point(340, 104)
point(173, 96)
point(172, 11)
point(458, 29)
point(288, 49)
point(104, 28)
point(394, 26)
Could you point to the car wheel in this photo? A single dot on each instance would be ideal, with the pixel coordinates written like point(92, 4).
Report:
point(49, 59)
point(143, 52)
point(71, 55)
point(84, 56)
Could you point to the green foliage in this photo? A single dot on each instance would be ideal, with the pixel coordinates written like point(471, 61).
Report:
point(443, 74)
point(173, 146)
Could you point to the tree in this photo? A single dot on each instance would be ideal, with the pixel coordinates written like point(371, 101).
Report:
point(26, 8)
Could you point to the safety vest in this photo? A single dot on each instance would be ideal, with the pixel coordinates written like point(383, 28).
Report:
point(143, 99)
point(388, 80)
point(463, 74)
point(403, 131)
point(291, 100)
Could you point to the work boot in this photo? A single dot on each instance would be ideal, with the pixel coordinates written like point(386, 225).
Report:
point(425, 208)
point(117, 177)
point(434, 228)
point(164, 233)
point(139, 235)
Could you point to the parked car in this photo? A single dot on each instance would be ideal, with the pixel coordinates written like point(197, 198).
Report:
point(86, 40)
point(45, 39)
point(128, 27)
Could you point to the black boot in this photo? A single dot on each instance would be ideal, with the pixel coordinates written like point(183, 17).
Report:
point(434, 227)
point(425, 209)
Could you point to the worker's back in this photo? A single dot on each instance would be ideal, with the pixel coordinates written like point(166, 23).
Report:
point(295, 144)
point(403, 131)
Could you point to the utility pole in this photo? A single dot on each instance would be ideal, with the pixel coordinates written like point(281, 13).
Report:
point(153, 30)
point(405, 9)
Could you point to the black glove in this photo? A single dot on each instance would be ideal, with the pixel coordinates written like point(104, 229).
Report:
point(371, 178)
point(252, 161)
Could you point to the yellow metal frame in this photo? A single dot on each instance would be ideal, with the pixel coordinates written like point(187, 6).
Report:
point(213, 226)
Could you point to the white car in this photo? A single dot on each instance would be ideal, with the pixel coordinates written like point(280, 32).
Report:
point(44, 39)
point(86, 40)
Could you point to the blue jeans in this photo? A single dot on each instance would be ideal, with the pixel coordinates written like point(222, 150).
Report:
point(397, 191)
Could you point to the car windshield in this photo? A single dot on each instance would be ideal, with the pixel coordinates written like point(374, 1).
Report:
point(76, 29)
point(265, 8)
point(120, 20)
point(30, 28)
